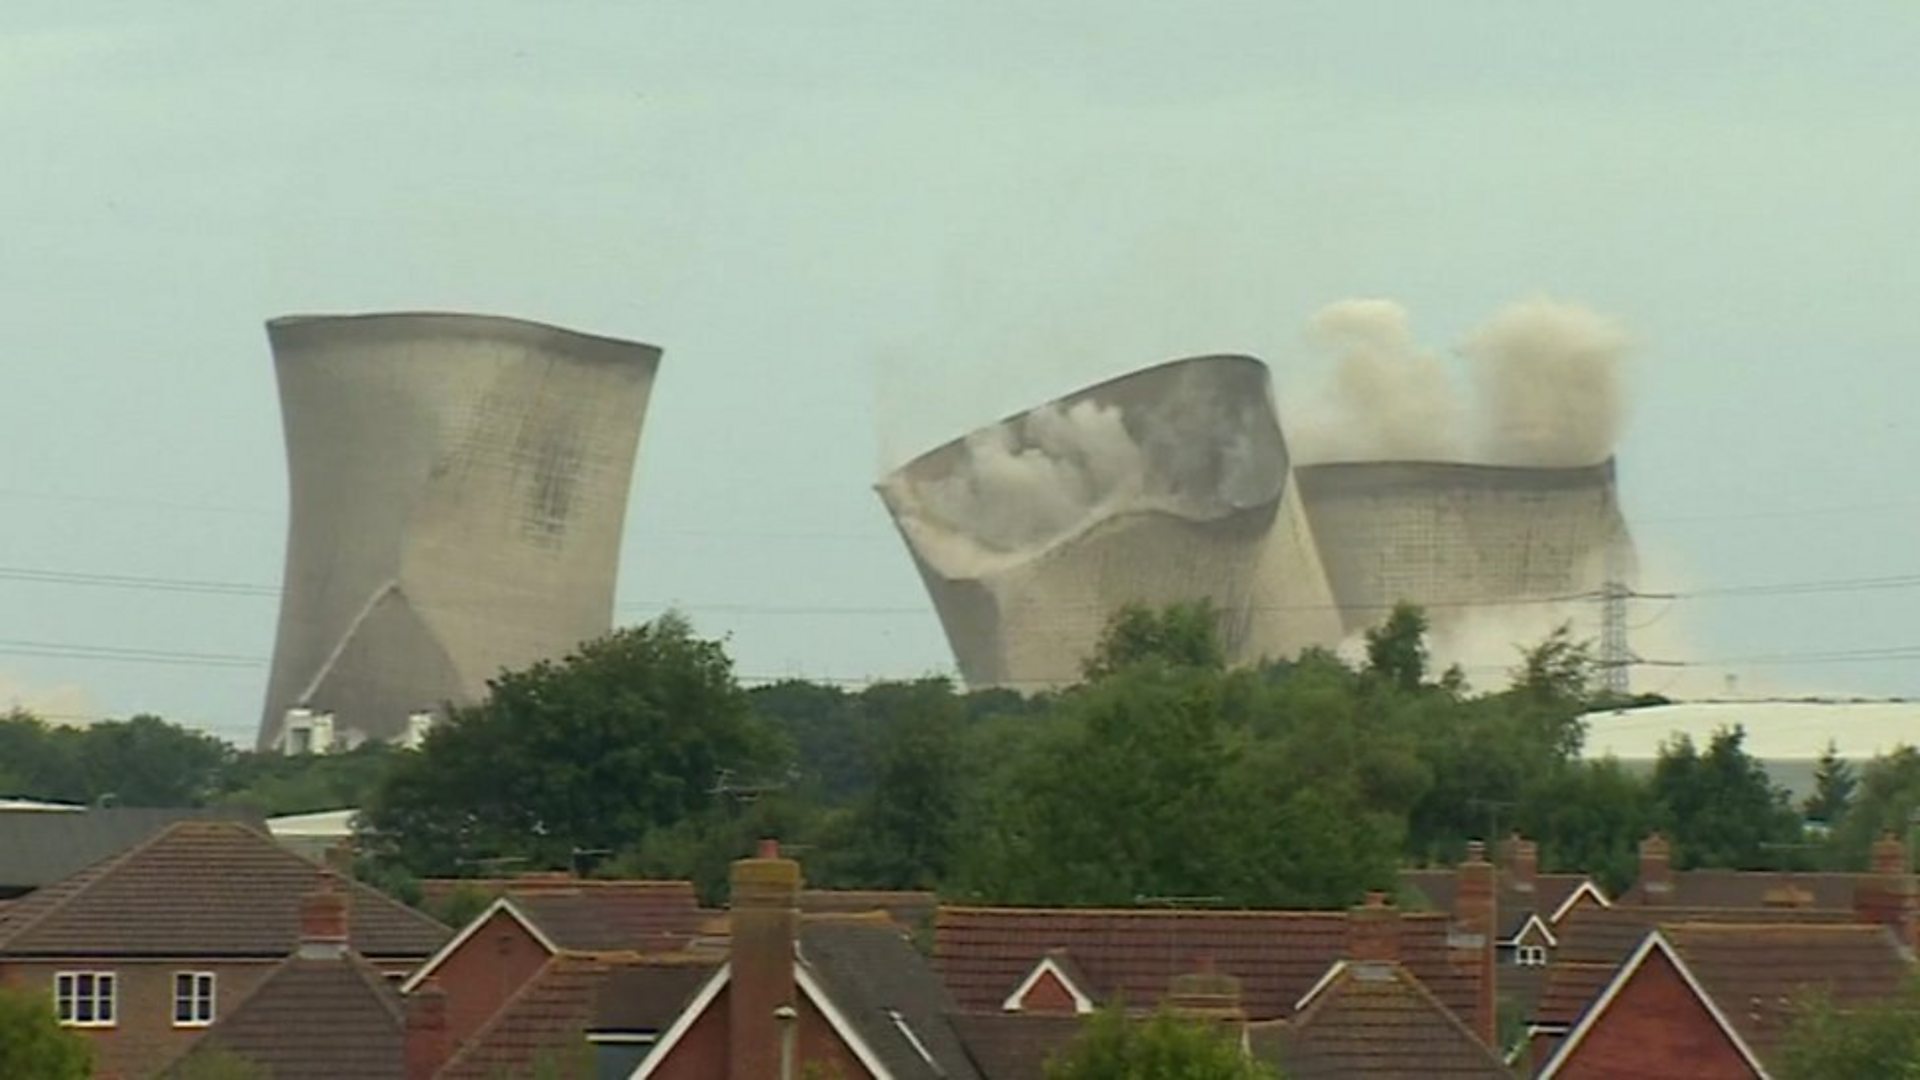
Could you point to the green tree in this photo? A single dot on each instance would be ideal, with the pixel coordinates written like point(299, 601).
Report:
point(1182, 635)
point(1720, 808)
point(1887, 800)
point(1878, 1039)
point(1145, 789)
point(1397, 648)
point(902, 831)
point(637, 731)
point(1589, 816)
point(1111, 1046)
point(1834, 782)
point(33, 1044)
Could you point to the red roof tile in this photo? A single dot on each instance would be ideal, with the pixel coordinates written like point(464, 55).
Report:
point(983, 953)
point(317, 1019)
point(1375, 1020)
point(203, 888)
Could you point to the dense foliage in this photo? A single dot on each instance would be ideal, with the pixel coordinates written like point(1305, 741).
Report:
point(1163, 776)
point(32, 1042)
point(1163, 1047)
point(1879, 1039)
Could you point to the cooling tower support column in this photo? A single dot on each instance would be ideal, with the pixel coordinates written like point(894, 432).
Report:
point(457, 485)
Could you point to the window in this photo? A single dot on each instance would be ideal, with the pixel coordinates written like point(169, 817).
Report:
point(1530, 955)
point(192, 998)
point(84, 998)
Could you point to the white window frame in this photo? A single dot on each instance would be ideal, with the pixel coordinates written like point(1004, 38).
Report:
point(198, 998)
point(101, 1003)
point(1530, 955)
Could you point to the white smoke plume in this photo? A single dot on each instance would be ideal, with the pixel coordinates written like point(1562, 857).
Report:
point(1389, 398)
point(1542, 386)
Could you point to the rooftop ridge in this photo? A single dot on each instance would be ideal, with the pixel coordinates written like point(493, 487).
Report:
point(1328, 914)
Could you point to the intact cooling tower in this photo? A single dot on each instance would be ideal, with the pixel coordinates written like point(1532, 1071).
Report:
point(1170, 484)
point(457, 487)
point(1455, 538)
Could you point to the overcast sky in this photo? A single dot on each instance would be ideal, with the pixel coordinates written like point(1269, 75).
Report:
point(859, 229)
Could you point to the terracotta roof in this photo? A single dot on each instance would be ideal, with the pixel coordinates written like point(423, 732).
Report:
point(1755, 973)
point(1594, 942)
point(1374, 1020)
point(1014, 1046)
point(317, 1019)
point(888, 992)
point(1133, 955)
point(1513, 902)
point(1748, 889)
point(202, 888)
point(649, 916)
point(550, 1016)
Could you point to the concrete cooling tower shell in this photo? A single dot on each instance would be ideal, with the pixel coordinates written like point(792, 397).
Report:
point(1452, 537)
point(457, 489)
point(1166, 485)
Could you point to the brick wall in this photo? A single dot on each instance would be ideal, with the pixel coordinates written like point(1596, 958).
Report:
point(143, 1037)
point(1656, 1028)
point(485, 971)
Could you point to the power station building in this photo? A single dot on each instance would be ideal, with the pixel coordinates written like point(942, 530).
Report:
point(1174, 484)
point(1169, 484)
point(457, 489)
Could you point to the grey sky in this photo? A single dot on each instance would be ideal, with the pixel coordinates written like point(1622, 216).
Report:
point(860, 228)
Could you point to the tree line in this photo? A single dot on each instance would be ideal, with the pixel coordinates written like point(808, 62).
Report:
point(1162, 774)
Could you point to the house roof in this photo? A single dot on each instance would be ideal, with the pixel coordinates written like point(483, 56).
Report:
point(1513, 902)
point(1133, 954)
point(912, 908)
point(591, 915)
point(1013, 1046)
point(1748, 889)
point(1755, 973)
point(39, 848)
point(202, 888)
point(887, 992)
point(1376, 1020)
point(316, 1019)
point(1594, 942)
point(575, 993)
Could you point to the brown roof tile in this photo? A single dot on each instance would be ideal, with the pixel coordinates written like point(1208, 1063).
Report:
point(1133, 954)
point(317, 1019)
point(1513, 903)
point(1594, 942)
point(1749, 889)
point(650, 916)
point(1013, 1046)
point(1375, 1020)
point(202, 888)
point(911, 908)
point(1756, 973)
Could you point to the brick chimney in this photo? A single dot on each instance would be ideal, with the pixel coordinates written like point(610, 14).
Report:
point(323, 922)
point(428, 1042)
point(1208, 995)
point(1656, 870)
point(1885, 894)
point(1521, 862)
point(1373, 930)
point(765, 917)
point(1471, 940)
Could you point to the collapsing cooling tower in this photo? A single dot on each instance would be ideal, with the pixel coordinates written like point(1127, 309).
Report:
point(457, 487)
point(1170, 484)
point(1453, 538)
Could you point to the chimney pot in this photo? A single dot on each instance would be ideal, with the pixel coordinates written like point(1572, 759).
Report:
point(769, 848)
point(1522, 863)
point(1656, 868)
